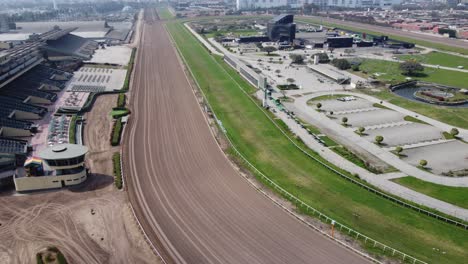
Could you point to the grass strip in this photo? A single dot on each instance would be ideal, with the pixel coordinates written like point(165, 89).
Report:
point(263, 145)
point(438, 58)
point(414, 120)
point(389, 71)
point(117, 170)
point(455, 116)
point(455, 195)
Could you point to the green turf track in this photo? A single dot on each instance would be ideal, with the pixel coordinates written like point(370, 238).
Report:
point(262, 143)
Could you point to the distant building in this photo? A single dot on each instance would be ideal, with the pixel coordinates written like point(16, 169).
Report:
point(282, 28)
point(384, 4)
point(254, 4)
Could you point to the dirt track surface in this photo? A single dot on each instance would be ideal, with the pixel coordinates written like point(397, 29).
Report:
point(63, 218)
point(192, 202)
point(390, 31)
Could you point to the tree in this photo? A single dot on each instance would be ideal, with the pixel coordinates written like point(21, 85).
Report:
point(398, 150)
point(342, 64)
point(411, 67)
point(322, 57)
point(296, 58)
point(423, 163)
point(454, 132)
point(344, 120)
point(277, 71)
point(319, 105)
point(379, 139)
point(361, 130)
point(290, 80)
point(269, 49)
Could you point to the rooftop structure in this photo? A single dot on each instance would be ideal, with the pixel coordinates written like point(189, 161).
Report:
point(282, 28)
point(58, 166)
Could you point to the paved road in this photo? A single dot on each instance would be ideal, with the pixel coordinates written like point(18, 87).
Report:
point(189, 198)
point(390, 31)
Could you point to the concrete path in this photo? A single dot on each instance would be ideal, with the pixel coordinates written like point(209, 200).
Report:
point(381, 181)
point(310, 115)
point(203, 41)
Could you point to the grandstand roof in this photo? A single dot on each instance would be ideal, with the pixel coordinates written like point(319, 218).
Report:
point(14, 146)
point(82, 26)
point(73, 46)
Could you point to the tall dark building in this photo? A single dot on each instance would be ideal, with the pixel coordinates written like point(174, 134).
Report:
point(282, 28)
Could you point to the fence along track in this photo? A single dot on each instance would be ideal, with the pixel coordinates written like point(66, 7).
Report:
point(343, 228)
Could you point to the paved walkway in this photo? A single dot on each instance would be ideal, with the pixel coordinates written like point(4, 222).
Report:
point(307, 113)
point(381, 181)
point(204, 42)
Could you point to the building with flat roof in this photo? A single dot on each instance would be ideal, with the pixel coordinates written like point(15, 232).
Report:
point(282, 28)
point(55, 167)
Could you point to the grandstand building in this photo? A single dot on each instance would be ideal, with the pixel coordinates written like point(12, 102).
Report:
point(29, 91)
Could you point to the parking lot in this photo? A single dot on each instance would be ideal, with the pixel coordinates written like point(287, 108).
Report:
point(373, 117)
point(441, 158)
point(399, 135)
point(339, 106)
point(95, 79)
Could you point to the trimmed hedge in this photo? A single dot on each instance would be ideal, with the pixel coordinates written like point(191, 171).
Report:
point(129, 71)
point(116, 132)
point(117, 170)
point(121, 100)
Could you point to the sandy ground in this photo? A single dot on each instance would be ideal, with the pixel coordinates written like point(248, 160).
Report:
point(90, 223)
point(189, 197)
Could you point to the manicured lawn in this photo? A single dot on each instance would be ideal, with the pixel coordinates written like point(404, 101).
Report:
point(454, 195)
point(389, 71)
point(439, 58)
point(164, 13)
point(455, 116)
point(400, 38)
point(237, 33)
point(262, 143)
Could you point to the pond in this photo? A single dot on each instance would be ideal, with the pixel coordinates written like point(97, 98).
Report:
point(408, 93)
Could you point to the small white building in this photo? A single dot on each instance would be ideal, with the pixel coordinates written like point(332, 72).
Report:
point(58, 166)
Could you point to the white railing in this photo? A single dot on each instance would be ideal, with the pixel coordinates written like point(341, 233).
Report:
point(345, 229)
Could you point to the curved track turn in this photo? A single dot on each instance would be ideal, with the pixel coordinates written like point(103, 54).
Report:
point(190, 200)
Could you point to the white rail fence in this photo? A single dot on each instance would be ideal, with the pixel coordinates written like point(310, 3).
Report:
point(298, 202)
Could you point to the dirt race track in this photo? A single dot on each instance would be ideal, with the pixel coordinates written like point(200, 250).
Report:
point(390, 31)
point(192, 202)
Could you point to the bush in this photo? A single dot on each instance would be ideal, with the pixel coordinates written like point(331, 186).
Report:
point(411, 67)
point(296, 58)
point(72, 131)
point(39, 259)
point(322, 57)
point(116, 132)
point(121, 100)
point(117, 170)
point(341, 64)
point(355, 67)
